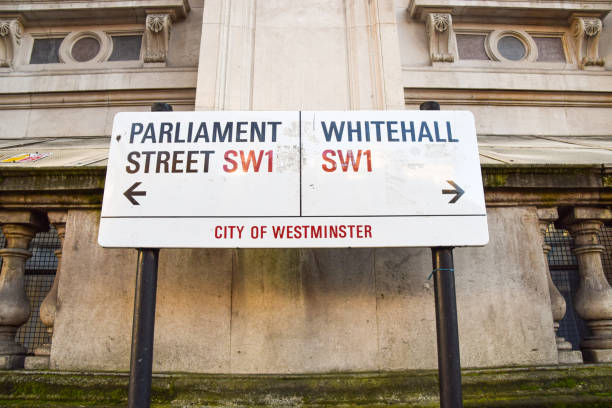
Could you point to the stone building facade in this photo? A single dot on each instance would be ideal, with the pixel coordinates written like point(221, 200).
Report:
point(536, 74)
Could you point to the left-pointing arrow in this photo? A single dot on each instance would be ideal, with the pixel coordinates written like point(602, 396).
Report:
point(130, 193)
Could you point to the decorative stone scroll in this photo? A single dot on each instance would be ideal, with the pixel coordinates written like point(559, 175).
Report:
point(557, 303)
point(11, 32)
point(593, 301)
point(156, 37)
point(442, 41)
point(586, 31)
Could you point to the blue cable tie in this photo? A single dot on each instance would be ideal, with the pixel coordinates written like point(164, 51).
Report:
point(440, 269)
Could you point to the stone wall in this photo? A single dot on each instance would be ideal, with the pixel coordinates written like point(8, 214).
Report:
point(292, 311)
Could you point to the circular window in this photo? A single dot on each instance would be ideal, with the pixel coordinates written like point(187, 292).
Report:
point(511, 48)
point(85, 49)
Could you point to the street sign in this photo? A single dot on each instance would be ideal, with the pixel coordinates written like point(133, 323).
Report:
point(293, 179)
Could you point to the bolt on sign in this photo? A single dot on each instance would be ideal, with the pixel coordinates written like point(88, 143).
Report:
point(293, 179)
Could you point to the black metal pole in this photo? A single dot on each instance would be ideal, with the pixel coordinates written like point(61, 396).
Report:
point(141, 363)
point(143, 327)
point(449, 363)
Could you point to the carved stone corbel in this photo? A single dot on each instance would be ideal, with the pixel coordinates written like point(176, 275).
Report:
point(156, 36)
point(586, 31)
point(442, 42)
point(11, 32)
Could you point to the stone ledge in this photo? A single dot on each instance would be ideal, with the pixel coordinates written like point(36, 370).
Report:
point(485, 10)
point(567, 386)
point(118, 11)
point(505, 185)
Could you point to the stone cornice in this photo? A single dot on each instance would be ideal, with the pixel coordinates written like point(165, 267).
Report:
point(62, 12)
point(547, 185)
point(505, 186)
point(52, 188)
point(486, 10)
point(138, 97)
point(488, 97)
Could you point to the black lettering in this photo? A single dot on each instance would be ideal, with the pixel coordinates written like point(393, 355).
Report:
point(147, 156)
point(333, 130)
point(191, 161)
point(409, 130)
point(176, 161)
point(377, 123)
point(261, 133)
point(189, 132)
point(240, 131)
point(274, 125)
point(202, 133)
point(424, 132)
point(450, 134)
point(437, 133)
point(134, 130)
point(149, 134)
point(165, 129)
point(206, 154)
point(227, 132)
point(391, 131)
point(177, 133)
point(134, 162)
point(163, 161)
point(352, 131)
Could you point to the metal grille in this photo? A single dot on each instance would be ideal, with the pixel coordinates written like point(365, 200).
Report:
point(605, 238)
point(564, 272)
point(39, 274)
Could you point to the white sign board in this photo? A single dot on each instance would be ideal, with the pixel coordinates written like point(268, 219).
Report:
point(293, 179)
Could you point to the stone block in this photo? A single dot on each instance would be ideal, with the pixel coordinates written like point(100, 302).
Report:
point(36, 363)
point(597, 356)
point(570, 357)
point(11, 362)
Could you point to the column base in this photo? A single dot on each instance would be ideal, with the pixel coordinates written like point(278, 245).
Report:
point(597, 356)
point(36, 363)
point(11, 362)
point(570, 357)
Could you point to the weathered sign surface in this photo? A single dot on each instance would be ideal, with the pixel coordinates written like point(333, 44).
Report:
point(293, 179)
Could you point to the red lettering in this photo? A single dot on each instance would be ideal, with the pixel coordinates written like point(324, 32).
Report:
point(278, 232)
point(368, 154)
point(326, 154)
point(344, 162)
point(251, 158)
point(231, 161)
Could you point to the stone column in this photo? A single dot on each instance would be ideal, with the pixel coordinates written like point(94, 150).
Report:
point(19, 227)
point(593, 301)
point(40, 360)
point(557, 302)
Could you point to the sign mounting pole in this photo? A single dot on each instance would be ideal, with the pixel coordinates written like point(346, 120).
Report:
point(449, 363)
point(143, 327)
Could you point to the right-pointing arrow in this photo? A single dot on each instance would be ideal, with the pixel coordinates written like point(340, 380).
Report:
point(458, 191)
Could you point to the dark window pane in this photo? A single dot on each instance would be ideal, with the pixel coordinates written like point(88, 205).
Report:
point(550, 49)
point(85, 49)
point(471, 47)
point(45, 51)
point(126, 47)
point(511, 48)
